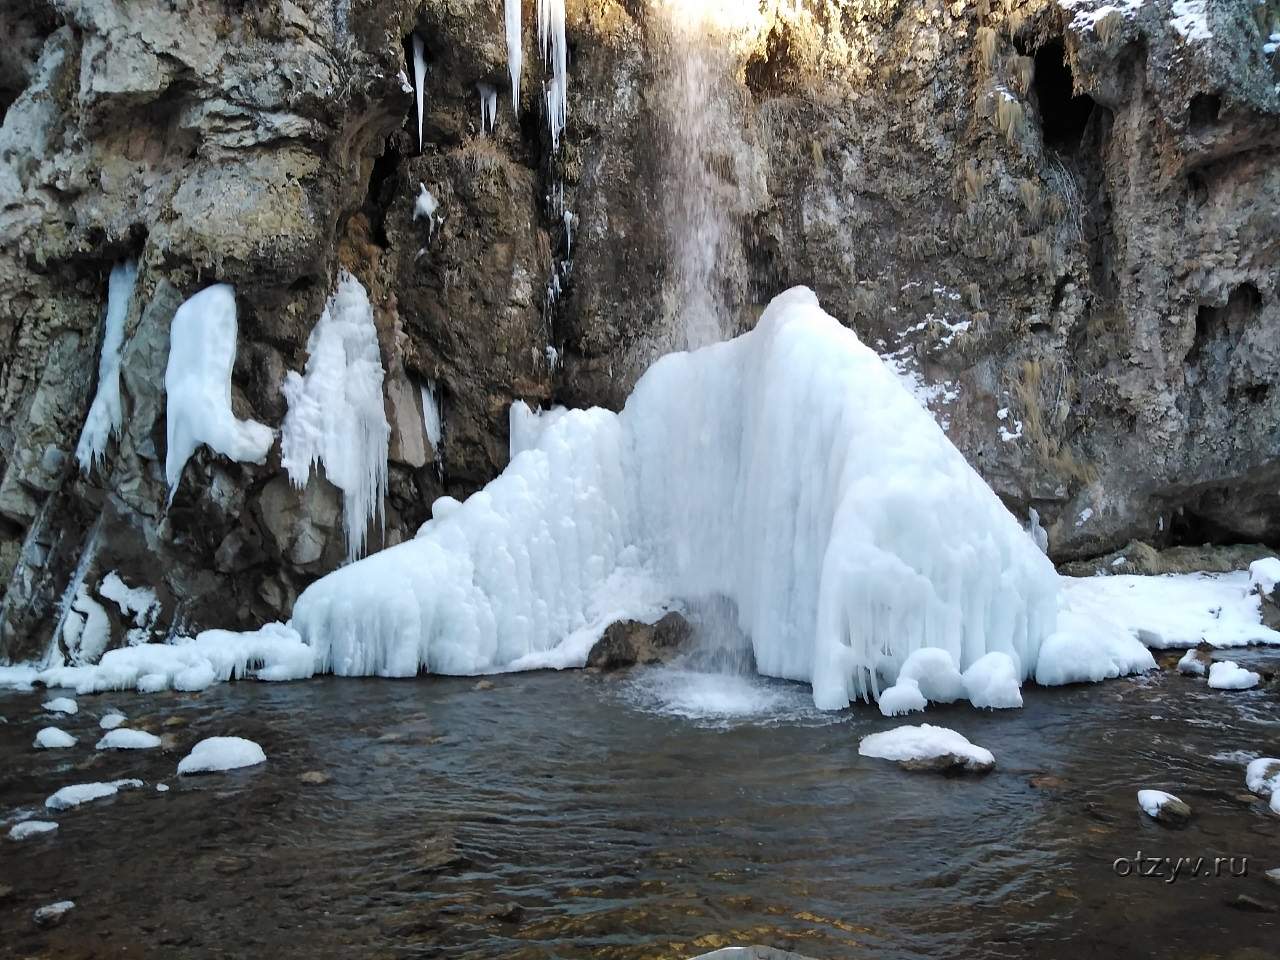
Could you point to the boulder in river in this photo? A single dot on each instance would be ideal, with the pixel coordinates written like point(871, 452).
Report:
point(629, 642)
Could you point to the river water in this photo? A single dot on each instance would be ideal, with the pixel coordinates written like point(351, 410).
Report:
point(651, 814)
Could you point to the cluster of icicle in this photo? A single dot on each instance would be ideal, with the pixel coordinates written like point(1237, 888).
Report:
point(555, 56)
point(786, 469)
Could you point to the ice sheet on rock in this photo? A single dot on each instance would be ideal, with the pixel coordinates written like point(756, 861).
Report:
point(1229, 675)
point(1174, 611)
point(337, 417)
point(197, 382)
point(216, 754)
point(106, 414)
point(124, 739)
point(786, 470)
point(1151, 801)
point(274, 652)
point(53, 738)
point(923, 742)
point(31, 828)
point(902, 698)
point(60, 704)
point(992, 681)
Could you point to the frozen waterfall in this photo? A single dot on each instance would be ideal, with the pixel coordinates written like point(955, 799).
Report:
point(786, 469)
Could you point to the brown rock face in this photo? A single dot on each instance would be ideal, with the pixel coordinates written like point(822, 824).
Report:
point(629, 642)
point(1064, 234)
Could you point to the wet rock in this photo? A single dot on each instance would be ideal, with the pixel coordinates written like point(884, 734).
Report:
point(948, 764)
point(629, 642)
point(53, 914)
point(506, 912)
point(483, 685)
point(314, 778)
point(1046, 781)
point(1137, 557)
point(1272, 876)
point(1250, 904)
point(1164, 807)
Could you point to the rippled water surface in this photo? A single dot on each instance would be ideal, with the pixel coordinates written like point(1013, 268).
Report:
point(659, 813)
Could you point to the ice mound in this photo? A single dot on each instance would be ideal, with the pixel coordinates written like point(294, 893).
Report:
point(53, 738)
point(215, 754)
point(125, 739)
point(79, 793)
point(61, 705)
point(31, 828)
point(914, 745)
point(786, 469)
point(274, 652)
point(1229, 675)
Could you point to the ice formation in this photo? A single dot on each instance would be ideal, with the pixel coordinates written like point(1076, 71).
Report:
point(138, 603)
point(515, 49)
point(488, 106)
point(1087, 649)
point(215, 754)
point(786, 469)
point(61, 705)
point(934, 671)
point(123, 739)
point(992, 681)
point(274, 652)
point(1262, 775)
point(31, 828)
point(903, 697)
point(555, 54)
point(86, 628)
point(53, 738)
point(337, 417)
point(419, 77)
point(79, 793)
point(112, 720)
point(432, 421)
point(197, 380)
point(1192, 665)
point(106, 414)
point(925, 742)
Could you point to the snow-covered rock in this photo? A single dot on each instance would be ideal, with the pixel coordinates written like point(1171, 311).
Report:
point(1195, 663)
point(31, 828)
point(1228, 675)
point(786, 469)
point(927, 747)
point(903, 697)
point(1262, 776)
point(79, 793)
point(992, 681)
point(53, 738)
point(61, 705)
point(125, 739)
point(110, 721)
point(1088, 648)
point(216, 754)
point(53, 914)
point(1264, 574)
point(1164, 807)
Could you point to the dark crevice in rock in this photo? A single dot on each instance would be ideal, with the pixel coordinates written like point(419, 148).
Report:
point(1064, 114)
point(1203, 111)
point(381, 190)
point(1218, 329)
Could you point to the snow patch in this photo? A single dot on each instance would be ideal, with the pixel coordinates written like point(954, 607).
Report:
point(337, 418)
point(197, 380)
point(1264, 574)
point(1191, 20)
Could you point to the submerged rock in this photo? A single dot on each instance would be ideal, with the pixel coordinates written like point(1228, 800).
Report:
point(629, 642)
point(53, 914)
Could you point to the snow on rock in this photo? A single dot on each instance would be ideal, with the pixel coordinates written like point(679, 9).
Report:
point(1191, 20)
point(1163, 806)
point(1228, 675)
point(79, 793)
point(1193, 664)
point(1087, 649)
point(86, 628)
point(992, 681)
point(337, 417)
point(903, 697)
point(52, 738)
point(31, 828)
point(1174, 611)
point(138, 603)
point(1262, 775)
point(934, 672)
point(52, 914)
point(61, 705)
point(1264, 574)
point(928, 746)
point(1089, 12)
point(274, 652)
point(216, 754)
point(106, 414)
point(123, 739)
point(786, 469)
point(197, 382)
point(112, 720)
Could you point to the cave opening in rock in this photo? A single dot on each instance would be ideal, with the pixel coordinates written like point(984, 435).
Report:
point(381, 188)
point(1219, 327)
point(1064, 114)
point(1203, 110)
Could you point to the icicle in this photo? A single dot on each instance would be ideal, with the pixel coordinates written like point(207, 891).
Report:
point(433, 423)
point(515, 52)
point(106, 414)
point(419, 76)
point(555, 53)
point(488, 106)
point(569, 219)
